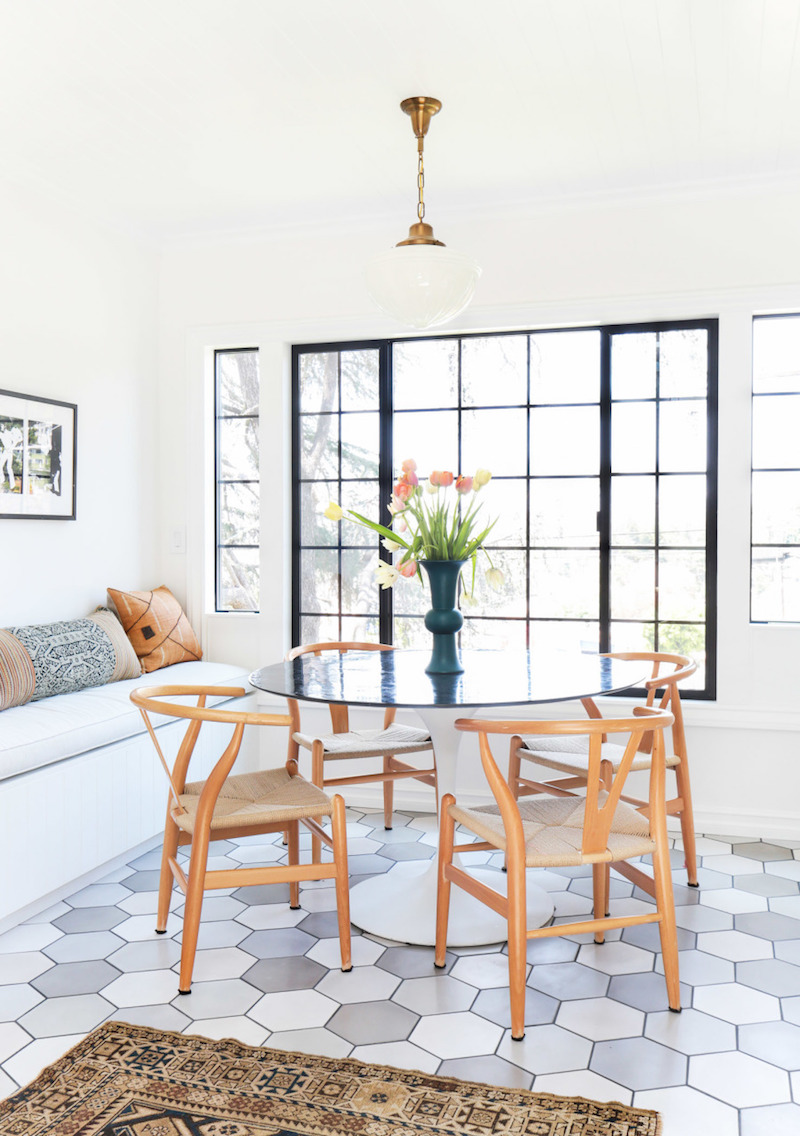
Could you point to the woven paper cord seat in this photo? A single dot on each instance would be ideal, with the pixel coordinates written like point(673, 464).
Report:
point(567, 755)
point(553, 831)
point(370, 743)
point(267, 797)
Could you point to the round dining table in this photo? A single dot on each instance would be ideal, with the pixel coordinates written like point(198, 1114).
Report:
point(400, 904)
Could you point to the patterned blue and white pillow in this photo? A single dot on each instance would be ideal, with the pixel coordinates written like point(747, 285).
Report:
point(67, 656)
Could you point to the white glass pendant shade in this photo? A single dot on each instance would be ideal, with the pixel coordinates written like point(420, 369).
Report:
point(422, 285)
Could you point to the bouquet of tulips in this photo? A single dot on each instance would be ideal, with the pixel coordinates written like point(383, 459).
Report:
point(430, 523)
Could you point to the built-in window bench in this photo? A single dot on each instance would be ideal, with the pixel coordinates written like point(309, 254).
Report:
point(81, 783)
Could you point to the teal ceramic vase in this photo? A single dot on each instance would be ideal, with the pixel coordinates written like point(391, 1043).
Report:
point(444, 620)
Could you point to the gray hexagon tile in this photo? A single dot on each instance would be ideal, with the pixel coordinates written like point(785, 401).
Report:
point(738, 1079)
point(546, 1049)
point(639, 1063)
point(689, 1112)
point(456, 1035)
point(691, 1031)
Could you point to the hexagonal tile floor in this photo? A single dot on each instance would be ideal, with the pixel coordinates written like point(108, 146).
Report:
point(596, 1016)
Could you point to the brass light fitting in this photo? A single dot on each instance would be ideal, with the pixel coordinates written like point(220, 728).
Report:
point(420, 109)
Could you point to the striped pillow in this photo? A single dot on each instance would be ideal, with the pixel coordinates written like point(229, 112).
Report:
point(17, 678)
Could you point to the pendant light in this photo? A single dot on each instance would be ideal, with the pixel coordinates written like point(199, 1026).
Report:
point(420, 282)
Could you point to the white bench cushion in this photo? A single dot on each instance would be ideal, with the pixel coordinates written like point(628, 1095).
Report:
point(40, 733)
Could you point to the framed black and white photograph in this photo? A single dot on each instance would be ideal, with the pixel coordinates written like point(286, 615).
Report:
point(38, 439)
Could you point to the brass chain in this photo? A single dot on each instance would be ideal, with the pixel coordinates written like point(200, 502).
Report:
point(421, 185)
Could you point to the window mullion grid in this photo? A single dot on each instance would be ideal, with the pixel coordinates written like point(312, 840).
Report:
point(656, 525)
point(528, 491)
point(385, 475)
point(339, 559)
point(604, 525)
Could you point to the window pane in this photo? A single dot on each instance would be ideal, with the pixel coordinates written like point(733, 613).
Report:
point(686, 639)
point(238, 449)
point(358, 581)
point(565, 635)
point(495, 440)
point(506, 502)
point(776, 585)
point(408, 597)
point(682, 510)
point(360, 376)
point(682, 436)
point(319, 629)
point(633, 365)
point(411, 634)
point(319, 382)
point(360, 629)
point(632, 636)
point(633, 437)
point(565, 440)
point(239, 513)
point(494, 371)
point(776, 354)
point(493, 634)
point(319, 580)
point(564, 585)
point(238, 584)
point(360, 445)
point(776, 429)
point(510, 599)
point(430, 439)
point(633, 510)
point(425, 374)
point(681, 585)
point(237, 382)
point(319, 446)
point(776, 508)
point(633, 584)
point(564, 511)
point(361, 497)
point(683, 363)
point(565, 366)
point(314, 527)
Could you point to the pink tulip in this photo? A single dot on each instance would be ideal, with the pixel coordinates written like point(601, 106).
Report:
point(441, 477)
point(409, 465)
point(408, 569)
point(402, 491)
point(464, 485)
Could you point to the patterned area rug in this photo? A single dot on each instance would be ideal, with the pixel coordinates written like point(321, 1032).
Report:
point(126, 1080)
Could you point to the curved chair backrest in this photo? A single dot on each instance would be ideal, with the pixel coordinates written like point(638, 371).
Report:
point(340, 716)
point(662, 678)
point(600, 804)
point(150, 700)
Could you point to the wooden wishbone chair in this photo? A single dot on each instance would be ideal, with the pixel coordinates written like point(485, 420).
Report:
point(224, 807)
point(343, 744)
point(569, 755)
point(548, 832)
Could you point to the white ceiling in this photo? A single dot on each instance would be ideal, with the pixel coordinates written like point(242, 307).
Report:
point(180, 117)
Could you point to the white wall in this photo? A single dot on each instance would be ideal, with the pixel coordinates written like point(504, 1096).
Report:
point(78, 323)
point(725, 255)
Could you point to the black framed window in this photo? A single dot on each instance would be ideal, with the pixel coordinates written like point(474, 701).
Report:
point(775, 521)
point(236, 476)
point(602, 446)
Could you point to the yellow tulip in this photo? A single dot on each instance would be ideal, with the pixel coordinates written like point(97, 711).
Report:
point(334, 512)
point(495, 578)
point(482, 477)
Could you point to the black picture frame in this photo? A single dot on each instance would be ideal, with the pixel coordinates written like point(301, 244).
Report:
point(38, 457)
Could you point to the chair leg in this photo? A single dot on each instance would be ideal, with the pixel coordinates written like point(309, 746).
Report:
point(192, 910)
point(446, 835)
point(166, 882)
point(600, 882)
point(388, 795)
point(318, 779)
point(293, 842)
point(687, 823)
point(514, 770)
point(517, 946)
point(339, 825)
point(665, 903)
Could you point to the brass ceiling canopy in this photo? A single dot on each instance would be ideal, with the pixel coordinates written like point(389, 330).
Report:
point(420, 109)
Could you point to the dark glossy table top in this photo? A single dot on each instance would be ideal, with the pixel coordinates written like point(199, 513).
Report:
point(490, 678)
